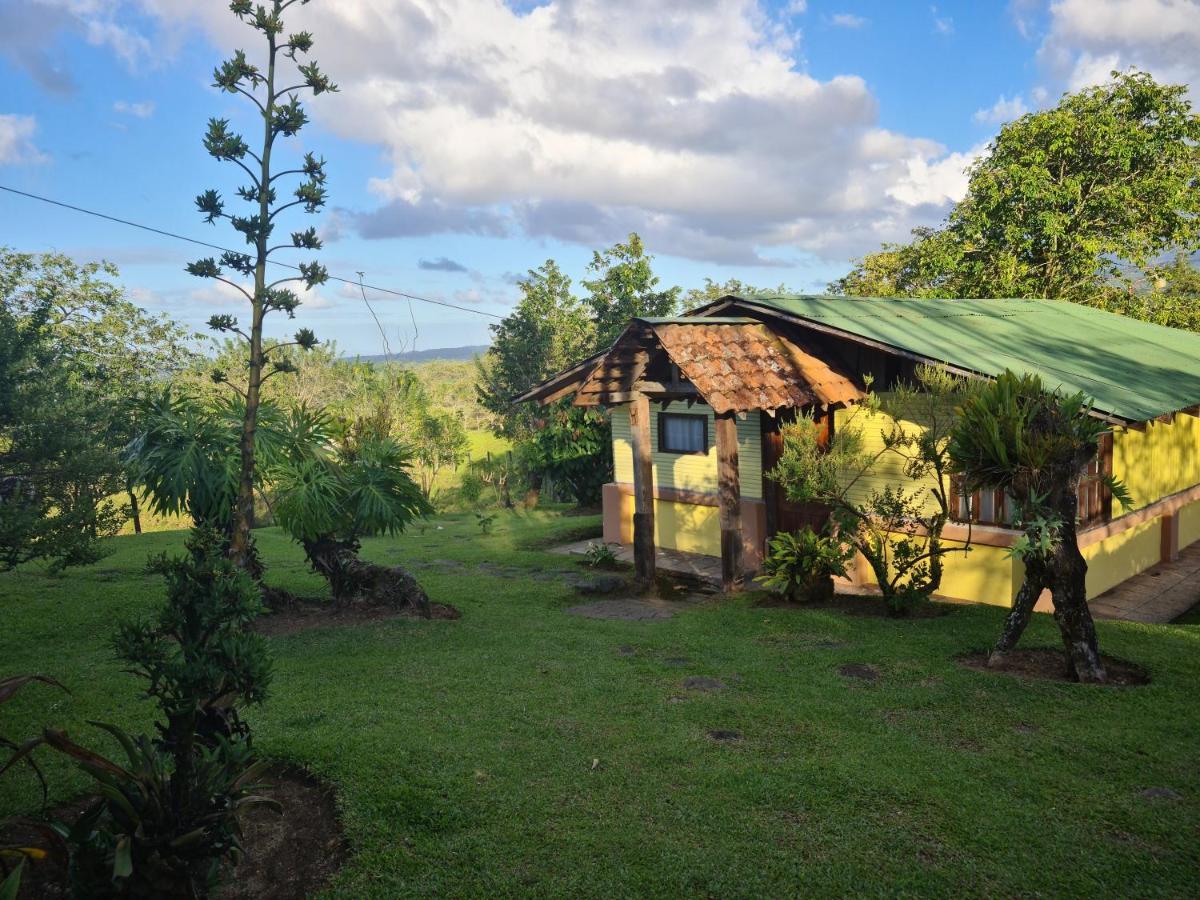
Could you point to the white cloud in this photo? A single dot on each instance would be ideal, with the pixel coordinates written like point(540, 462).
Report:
point(796, 7)
point(941, 24)
point(847, 20)
point(1003, 110)
point(583, 119)
point(16, 141)
point(1088, 39)
point(141, 110)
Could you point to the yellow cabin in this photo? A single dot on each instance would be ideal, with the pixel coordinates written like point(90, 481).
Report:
point(696, 405)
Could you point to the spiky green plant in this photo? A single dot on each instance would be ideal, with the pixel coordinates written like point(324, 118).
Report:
point(329, 502)
point(1016, 436)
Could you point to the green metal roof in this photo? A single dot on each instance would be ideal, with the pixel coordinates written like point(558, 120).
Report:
point(1131, 369)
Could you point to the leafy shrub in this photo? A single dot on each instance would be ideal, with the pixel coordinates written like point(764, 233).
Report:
point(801, 565)
point(600, 556)
point(166, 820)
point(485, 521)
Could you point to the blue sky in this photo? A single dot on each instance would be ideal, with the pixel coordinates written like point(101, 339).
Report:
point(472, 141)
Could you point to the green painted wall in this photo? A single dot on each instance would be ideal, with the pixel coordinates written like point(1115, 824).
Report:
point(690, 472)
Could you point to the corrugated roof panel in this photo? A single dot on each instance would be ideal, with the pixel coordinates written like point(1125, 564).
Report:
point(1131, 369)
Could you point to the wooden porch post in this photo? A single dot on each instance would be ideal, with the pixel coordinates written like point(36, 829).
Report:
point(643, 491)
point(729, 498)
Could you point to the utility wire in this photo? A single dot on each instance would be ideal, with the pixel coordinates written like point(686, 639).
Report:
point(180, 237)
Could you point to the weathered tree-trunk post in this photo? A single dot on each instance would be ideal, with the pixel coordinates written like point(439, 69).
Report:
point(1069, 593)
point(1036, 580)
point(643, 492)
point(729, 499)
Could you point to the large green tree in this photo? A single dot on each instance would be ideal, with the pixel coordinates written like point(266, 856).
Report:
point(75, 355)
point(1069, 202)
point(548, 330)
point(623, 285)
point(715, 290)
point(282, 116)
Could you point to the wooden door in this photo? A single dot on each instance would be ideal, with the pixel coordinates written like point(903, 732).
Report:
point(784, 514)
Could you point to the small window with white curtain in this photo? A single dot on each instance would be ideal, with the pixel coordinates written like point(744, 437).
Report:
point(682, 433)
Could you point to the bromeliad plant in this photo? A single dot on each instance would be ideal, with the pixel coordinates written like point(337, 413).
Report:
point(1034, 444)
point(801, 565)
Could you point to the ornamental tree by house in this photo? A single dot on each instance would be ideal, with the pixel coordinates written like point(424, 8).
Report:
point(282, 116)
point(897, 528)
point(1014, 435)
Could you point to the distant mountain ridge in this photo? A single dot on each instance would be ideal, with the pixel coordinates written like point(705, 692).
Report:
point(453, 354)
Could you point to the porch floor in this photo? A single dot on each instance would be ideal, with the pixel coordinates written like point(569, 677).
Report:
point(1160, 594)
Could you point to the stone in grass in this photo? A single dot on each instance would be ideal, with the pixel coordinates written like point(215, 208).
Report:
point(676, 661)
point(597, 584)
point(702, 683)
point(859, 671)
point(626, 650)
point(725, 735)
point(630, 610)
point(1161, 793)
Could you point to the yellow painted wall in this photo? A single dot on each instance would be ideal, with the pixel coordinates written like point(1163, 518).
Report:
point(690, 472)
point(1123, 555)
point(984, 575)
point(1163, 459)
point(1189, 524)
point(677, 526)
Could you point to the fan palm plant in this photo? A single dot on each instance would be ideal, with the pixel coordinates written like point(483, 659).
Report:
point(326, 494)
point(329, 502)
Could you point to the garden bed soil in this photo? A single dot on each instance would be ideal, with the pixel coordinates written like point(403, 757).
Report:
point(1050, 664)
point(856, 605)
point(289, 854)
point(324, 614)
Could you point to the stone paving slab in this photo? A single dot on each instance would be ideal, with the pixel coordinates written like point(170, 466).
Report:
point(1157, 595)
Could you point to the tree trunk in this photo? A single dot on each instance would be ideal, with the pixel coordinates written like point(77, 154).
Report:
point(134, 512)
point(243, 512)
point(1014, 626)
point(1069, 592)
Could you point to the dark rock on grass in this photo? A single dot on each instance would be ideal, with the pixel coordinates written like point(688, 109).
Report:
point(859, 671)
point(702, 683)
point(626, 650)
point(597, 584)
point(676, 661)
point(1160, 793)
point(629, 610)
point(1025, 728)
point(725, 735)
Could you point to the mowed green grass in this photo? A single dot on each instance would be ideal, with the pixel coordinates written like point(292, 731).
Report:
point(517, 751)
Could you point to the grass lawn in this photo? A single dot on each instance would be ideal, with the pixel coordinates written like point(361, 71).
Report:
point(520, 751)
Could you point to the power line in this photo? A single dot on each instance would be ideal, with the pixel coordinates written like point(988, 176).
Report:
point(200, 243)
